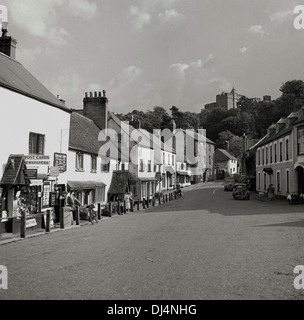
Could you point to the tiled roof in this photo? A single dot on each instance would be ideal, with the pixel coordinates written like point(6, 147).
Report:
point(84, 134)
point(223, 155)
point(15, 77)
point(274, 136)
point(13, 174)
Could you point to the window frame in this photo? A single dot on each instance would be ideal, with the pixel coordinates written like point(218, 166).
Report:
point(36, 137)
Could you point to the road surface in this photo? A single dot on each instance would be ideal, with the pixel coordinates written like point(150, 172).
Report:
point(204, 245)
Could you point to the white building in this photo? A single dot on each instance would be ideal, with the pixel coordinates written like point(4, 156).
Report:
point(32, 124)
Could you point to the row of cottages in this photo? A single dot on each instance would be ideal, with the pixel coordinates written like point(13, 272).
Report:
point(141, 163)
point(280, 156)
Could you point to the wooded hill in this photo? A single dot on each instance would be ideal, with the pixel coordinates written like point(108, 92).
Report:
point(222, 126)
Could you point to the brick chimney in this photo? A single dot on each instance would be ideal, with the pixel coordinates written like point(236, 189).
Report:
point(7, 44)
point(95, 107)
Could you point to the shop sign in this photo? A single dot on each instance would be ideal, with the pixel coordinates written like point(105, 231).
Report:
point(31, 223)
point(37, 160)
point(53, 199)
point(30, 173)
point(60, 161)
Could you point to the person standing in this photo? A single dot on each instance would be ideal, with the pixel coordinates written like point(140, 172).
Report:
point(270, 192)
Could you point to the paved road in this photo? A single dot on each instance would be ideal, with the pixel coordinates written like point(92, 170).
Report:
point(204, 245)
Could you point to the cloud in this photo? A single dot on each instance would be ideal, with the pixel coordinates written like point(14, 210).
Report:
point(257, 29)
point(40, 18)
point(169, 15)
point(82, 8)
point(243, 49)
point(140, 17)
point(66, 85)
point(281, 15)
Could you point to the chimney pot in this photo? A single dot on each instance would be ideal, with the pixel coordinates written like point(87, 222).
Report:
point(99, 94)
point(91, 94)
point(86, 94)
point(95, 94)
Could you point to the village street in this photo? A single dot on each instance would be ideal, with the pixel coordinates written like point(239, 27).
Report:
point(204, 245)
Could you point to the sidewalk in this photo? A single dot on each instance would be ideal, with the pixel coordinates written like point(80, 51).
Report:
point(264, 198)
point(11, 238)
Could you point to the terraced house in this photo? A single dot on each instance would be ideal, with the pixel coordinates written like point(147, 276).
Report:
point(280, 156)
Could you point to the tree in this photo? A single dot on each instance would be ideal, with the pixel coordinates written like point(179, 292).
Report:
point(230, 142)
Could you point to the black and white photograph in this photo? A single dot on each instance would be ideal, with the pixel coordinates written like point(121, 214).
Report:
point(151, 153)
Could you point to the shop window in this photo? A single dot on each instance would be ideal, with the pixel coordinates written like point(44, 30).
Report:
point(36, 143)
point(93, 164)
point(134, 191)
point(79, 161)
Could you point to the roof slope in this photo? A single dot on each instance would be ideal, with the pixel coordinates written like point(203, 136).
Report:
point(84, 134)
point(15, 77)
point(13, 174)
point(223, 155)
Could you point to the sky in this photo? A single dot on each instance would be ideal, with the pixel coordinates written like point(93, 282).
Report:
point(148, 53)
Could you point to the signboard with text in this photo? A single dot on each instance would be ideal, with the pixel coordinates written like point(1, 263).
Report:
point(37, 160)
point(30, 173)
point(60, 161)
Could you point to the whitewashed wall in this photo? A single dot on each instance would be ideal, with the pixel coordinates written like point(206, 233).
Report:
point(21, 115)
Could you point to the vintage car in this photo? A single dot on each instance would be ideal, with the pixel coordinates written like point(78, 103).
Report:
point(240, 191)
point(228, 184)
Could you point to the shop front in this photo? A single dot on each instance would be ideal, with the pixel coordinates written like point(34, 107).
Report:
point(183, 178)
point(25, 191)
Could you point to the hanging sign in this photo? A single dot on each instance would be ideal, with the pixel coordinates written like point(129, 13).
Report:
point(60, 161)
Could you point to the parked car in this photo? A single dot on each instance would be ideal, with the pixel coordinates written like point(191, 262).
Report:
point(240, 191)
point(228, 184)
